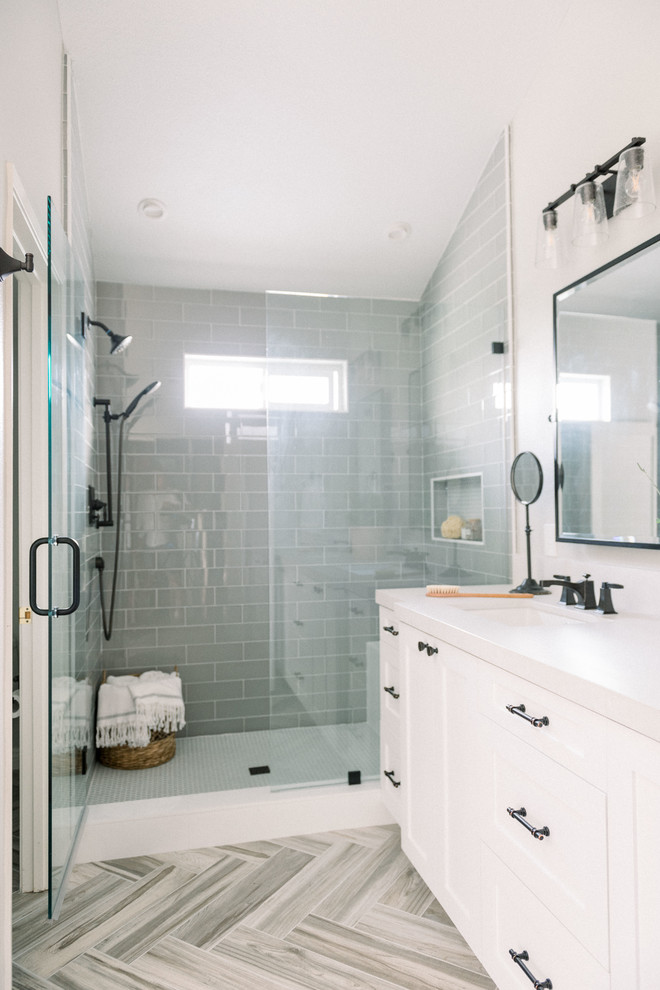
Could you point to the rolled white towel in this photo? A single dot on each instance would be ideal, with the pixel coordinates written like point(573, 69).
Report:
point(117, 722)
point(159, 700)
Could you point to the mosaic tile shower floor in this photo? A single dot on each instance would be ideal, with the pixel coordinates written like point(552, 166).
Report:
point(316, 755)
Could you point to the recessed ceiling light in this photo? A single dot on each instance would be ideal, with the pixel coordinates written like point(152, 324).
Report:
point(399, 232)
point(152, 209)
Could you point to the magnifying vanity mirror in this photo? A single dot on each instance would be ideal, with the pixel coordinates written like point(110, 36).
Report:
point(607, 360)
point(527, 485)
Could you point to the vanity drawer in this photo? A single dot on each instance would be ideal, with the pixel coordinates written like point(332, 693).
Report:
point(567, 868)
point(564, 731)
point(515, 919)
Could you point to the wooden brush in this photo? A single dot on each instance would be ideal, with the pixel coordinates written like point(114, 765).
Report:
point(453, 591)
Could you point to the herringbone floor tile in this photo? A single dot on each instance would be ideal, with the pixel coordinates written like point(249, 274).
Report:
point(333, 911)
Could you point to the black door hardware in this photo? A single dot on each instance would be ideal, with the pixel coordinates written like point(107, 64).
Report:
point(427, 646)
point(390, 690)
point(518, 958)
point(391, 629)
point(9, 265)
point(75, 576)
point(521, 711)
point(520, 814)
point(390, 776)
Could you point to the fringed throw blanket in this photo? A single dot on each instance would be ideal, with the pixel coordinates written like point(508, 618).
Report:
point(158, 700)
point(130, 707)
point(72, 715)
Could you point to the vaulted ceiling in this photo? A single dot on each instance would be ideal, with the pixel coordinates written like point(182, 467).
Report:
point(287, 138)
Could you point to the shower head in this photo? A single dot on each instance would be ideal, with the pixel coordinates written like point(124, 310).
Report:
point(118, 342)
point(145, 391)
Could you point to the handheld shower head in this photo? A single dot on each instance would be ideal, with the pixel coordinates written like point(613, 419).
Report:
point(145, 391)
point(118, 342)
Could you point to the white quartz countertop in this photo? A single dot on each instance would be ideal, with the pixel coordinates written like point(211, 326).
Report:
point(607, 663)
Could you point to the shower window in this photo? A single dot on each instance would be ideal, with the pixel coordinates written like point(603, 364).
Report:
point(257, 384)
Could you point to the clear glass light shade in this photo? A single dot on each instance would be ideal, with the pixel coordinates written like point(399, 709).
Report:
point(634, 196)
point(549, 243)
point(589, 216)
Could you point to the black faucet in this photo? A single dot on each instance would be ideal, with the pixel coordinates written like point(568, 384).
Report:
point(568, 594)
point(572, 588)
point(588, 596)
point(583, 591)
point(605, 606)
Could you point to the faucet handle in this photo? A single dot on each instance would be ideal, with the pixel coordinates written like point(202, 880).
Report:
point(605, 606)
point(587, 593)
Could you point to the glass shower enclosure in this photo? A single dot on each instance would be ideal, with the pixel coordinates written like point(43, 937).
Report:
point(345, 517)
point(70, 696)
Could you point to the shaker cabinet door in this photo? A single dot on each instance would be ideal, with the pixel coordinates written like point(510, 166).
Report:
point(634, 820)
point(442, 755)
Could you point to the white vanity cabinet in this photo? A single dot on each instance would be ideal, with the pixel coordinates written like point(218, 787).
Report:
point(530, 795)
point(440, 764)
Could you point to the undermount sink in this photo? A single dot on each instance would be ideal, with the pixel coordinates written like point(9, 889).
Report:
point(524, 612)
point(528, 615)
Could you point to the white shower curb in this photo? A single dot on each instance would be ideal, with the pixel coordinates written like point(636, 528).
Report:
point(141, 828)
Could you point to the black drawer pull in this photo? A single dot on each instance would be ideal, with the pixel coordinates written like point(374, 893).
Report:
point(427, 646)
point(390, 776)
point(518, 958)
point(391, 691)
point(391, 629)
point(520, 710)
point(519, 815)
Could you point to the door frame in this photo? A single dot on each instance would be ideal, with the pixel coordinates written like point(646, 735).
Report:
point(25, 234)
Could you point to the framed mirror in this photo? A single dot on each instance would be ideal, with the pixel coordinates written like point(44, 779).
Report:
point(607, 364)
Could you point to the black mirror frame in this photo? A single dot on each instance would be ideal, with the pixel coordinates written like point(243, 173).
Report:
point(558, 468)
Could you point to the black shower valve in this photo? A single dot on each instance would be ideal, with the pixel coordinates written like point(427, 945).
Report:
point(94, 507)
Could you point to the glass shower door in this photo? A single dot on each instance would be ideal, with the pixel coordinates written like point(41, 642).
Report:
point(69, 697)
point(345, 517)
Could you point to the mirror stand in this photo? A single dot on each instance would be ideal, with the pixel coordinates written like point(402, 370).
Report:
point(529, 586)
point(527, 485)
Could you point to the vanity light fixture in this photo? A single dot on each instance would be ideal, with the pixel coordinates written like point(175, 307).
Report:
point(602, 194)
point(589, 215)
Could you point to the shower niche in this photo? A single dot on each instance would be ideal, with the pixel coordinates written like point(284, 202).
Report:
point(457, 508)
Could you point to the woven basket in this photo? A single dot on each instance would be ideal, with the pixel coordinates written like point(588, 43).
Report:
point(160, 750)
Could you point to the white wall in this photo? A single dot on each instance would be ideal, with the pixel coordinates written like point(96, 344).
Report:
point(602, 91)
point(30, 109)
point(30, 127)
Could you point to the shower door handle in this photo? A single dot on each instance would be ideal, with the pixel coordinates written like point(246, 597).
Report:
point(75, 576)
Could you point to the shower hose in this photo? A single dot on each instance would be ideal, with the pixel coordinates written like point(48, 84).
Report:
point(100, 565)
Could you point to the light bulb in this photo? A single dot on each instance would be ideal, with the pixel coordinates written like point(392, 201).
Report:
point(634, 196)
point(549, 248)
point(632, 183)
point(589, 216)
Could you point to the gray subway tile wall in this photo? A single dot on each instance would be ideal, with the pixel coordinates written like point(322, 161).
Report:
point(250, 555)
point(465, 387)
